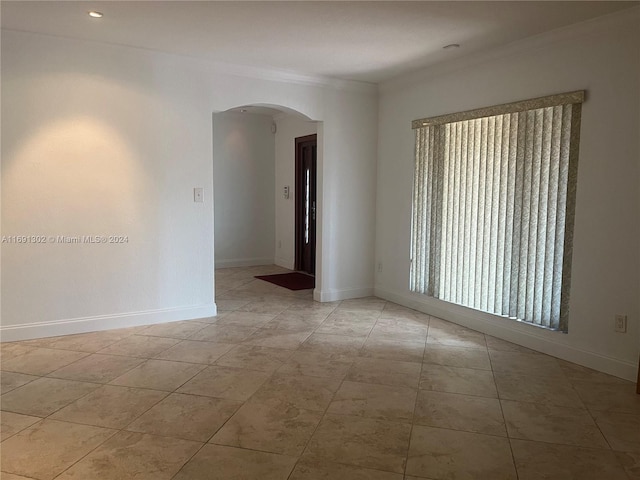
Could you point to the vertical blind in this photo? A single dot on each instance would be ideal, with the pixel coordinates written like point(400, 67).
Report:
point(493, 208)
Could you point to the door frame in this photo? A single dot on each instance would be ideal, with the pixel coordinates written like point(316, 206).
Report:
point(299, 219)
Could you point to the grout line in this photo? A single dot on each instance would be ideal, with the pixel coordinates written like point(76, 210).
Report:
point(295, 305)
point(506, 429)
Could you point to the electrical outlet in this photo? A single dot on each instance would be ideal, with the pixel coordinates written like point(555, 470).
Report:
point(379, 267)
point(621, 324)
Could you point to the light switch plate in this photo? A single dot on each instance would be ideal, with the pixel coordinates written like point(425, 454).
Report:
point(621, 324)
point(198, 195)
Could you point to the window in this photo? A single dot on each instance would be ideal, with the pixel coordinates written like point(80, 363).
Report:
point(493, 208)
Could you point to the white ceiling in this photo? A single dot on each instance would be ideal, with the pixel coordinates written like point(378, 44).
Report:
point(362, 40)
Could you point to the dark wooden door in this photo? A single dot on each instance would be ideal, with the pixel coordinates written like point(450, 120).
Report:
point(306, 165)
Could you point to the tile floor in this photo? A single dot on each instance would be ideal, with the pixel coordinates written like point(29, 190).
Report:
point(279, 387)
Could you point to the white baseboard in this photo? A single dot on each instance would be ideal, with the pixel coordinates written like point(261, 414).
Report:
point(244, 262)
point(56, 328)
point(284, 263)
point(528, 336)
point(345, 294)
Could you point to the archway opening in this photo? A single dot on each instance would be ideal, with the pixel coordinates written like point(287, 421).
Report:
point(256, 200)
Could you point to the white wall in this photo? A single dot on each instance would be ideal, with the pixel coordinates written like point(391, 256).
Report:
point(100, 139)
point(289, 127)
point(602, 57)
point(244, 185)
point(346, 186)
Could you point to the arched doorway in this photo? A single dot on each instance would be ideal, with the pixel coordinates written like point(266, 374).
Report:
point(254, 185)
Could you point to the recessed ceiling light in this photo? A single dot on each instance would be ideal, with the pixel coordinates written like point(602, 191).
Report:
point(451, 46)
point(95, 14)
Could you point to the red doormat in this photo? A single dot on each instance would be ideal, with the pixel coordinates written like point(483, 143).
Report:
point(292, 281)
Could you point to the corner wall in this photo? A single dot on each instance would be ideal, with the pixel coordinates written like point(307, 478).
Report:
point(602, 57)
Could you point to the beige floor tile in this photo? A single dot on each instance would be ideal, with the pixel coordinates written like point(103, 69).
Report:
point(333, 344)
point(535, 461)
point(223, 333)
point(217, 462)
point(225, 382)
point(276, 338)
point(457, 356)
point(180, 330)
point(86, 342)
point(234, 294)
point(97, 368)
point(246, 319)
point(391, 329)
point(140, 346)
point(449, 454)
point(47, 448)
point(362, 442)
point(621, 430)
point(40, 361)
point(268, 307)
point(229, 305)
point(11, 380)
point(110, 406)
point(398, 348)
point(317, 364)
point(460, 412)
point(297, 320)
point(578, 373)
point(354, 324)
point(552, 424)
point(134, 455)
point(494, 343)
point(391, 403)
point(534, 389)
point(467, 381)
point(269, 426)
point(219, 314)
point(159, 375)
point(251, 357)
point(630, 461)
point(385, 372)
point(258, 287)
point(309, 468)
point(398, 312)
point(11, 476)
point(442, 332)
point(44, 396)
point(13, 350)
point(190, 417)
point(310, 306)
point(373, 304)
point(530, 364)
point(400, 325)
point(609, 397)
point(196, 351)
point(299, 391)
point(333, 371)
point(12, 423)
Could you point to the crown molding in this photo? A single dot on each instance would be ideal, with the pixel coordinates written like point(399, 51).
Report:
point(284, 76)
point(244, 71)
